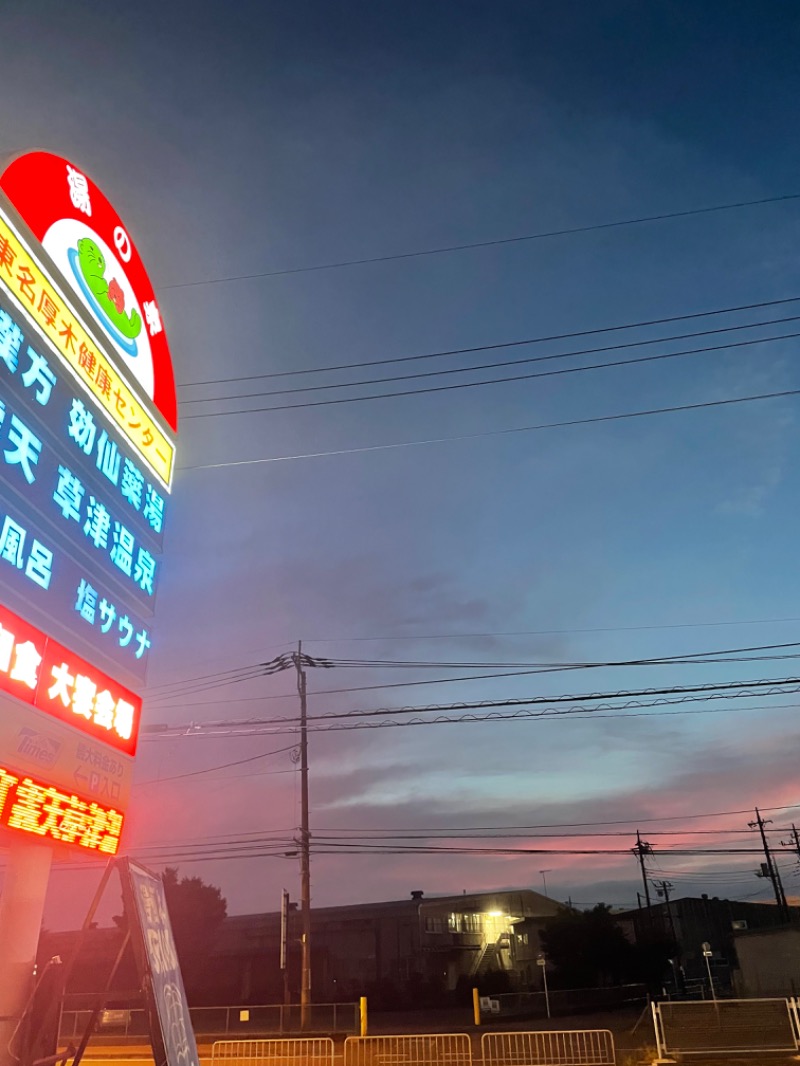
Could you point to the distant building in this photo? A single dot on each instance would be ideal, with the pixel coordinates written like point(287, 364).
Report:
point(769, 961)
point(408, 946)
point(410, 950)
point(693, 921)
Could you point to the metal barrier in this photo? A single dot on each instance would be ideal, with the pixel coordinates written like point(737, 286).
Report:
point(436, 1049)
point(732, 1026)
point(564, 1047)
point(300, 1051)
point(566, 1001)
point(265, 1020)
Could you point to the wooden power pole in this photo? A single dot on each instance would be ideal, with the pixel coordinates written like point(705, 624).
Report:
point(305, 849)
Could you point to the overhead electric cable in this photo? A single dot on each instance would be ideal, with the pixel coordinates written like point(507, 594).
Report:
point(221, 675)
point(585, 714)
point(726, 655)
point(631, 822)
point(211, 769)
point(438, 664)
point(569, 698)
point(496, 242)
point(496, 365)
point(441, 834)
point(561, 371)
point(424, 683)
point(550, 632)
point(541, 339)
point(567, 424)
point(285, 727)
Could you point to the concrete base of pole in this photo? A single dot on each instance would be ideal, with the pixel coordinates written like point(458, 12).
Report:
point(21, 908)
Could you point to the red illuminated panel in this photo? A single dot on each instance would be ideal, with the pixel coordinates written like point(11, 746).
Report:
point(41, 672)
point(31, 806)
point(45, 189)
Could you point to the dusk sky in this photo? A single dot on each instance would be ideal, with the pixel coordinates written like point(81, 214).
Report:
point(246, 143)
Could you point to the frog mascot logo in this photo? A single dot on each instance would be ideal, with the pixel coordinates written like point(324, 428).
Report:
point(105, 296)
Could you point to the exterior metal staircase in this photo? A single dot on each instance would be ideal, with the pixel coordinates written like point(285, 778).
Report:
point(489, 959)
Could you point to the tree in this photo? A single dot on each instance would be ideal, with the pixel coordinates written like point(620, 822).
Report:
point(587, 948)
point(196, 911)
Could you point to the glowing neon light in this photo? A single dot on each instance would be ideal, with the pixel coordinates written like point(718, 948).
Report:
point(41, 672)
point(90, 245)
point(38, 808)
point(42, 300)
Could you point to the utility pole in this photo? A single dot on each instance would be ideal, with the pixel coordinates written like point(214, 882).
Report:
point(663, 889)
point(305, 848)
point(643, 848)
point(284, 946)
point(772, 871)
point(794, 842)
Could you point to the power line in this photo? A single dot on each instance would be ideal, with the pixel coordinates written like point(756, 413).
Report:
point(155, 694)
point(449, 680)
point(442, 834)
point(497, 242)
point(567, 424)
point(580, 714)
point(257, 845)
point(572, 698)
point(227, 675)
point(252, 850)
point(583, 825)
point(211, 769)
point(728, 655)
point(576, 715)
point(550, 632)
point(692, 656)
point(561, 371)
point(553, 356)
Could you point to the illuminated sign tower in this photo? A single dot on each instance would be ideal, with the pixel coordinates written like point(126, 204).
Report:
point(88, 426)
point(87, 450)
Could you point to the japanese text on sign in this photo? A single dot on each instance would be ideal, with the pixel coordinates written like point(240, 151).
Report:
point(43, 301)
point(41, 672)
point(25, 553)
point(100, 456)
point(55, 583)
point(40, 809)
point(36, 472)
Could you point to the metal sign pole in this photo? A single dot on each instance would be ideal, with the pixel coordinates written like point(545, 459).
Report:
point(707, 953)
point(541, 960)
point(21, 909)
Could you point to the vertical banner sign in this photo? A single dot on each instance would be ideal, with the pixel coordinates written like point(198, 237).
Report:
point(171, 1032)
point(88, 427)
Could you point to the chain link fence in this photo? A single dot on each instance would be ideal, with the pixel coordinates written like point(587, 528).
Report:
point(563, 1002)
point(209, 1023)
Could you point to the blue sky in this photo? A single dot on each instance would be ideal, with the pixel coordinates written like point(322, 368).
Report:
point(270, 136)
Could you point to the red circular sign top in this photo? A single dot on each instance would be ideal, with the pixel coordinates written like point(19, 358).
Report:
point(90, 244)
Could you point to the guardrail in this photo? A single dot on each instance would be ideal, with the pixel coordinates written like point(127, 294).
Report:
point(297, 1051)
point(549, 1047)
point(726, 1026)
point(435, 1049)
